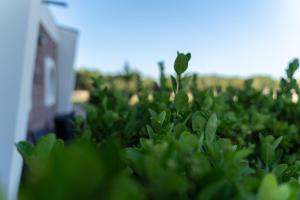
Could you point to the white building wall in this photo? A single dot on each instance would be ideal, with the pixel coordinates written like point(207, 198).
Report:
point(19, 22)
point(65, 69)
point(18, 41)
point(48, 22)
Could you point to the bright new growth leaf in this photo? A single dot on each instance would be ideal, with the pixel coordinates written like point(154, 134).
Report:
point(270, 189)
point(181, 63)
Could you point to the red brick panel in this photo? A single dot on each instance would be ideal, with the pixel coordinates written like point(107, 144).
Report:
point(41, 116)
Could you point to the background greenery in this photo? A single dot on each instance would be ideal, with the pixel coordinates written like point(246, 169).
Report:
point(84, 79)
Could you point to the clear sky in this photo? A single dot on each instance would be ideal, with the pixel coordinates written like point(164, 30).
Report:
point(226, 37)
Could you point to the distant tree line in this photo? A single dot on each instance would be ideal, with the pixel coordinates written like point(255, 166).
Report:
point(131, 81)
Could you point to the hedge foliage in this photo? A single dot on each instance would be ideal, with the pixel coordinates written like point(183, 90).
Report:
point(180, 142)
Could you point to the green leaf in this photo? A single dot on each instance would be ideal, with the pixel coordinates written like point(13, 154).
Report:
point(58, 146)
point(146, 144)
point(104, 103)
point(174, 84)
point(269, 189)
point(25, 149)
point(150, 131)
point(294, 65)
point(207, 103)
point(198, 121)
point(276, 143)
point(152, 113)
point(243, 153)
point(161, 117)
point(181, 101)
point(268, 149)
point(181, 63)
point(267, 153)
point(188, 141)
point(179, 128)
point(211, 128)
point(45, 145)
point(189, 56)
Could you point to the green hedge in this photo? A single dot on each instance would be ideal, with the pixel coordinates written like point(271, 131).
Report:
point(179, 142)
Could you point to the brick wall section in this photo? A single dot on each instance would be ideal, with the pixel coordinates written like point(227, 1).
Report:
point(41, 116)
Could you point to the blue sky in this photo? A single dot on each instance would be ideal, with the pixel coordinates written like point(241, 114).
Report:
point(232, 37)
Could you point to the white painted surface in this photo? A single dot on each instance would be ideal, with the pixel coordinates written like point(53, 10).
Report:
point(65, 69)
point(48, 22)
point(18, 41)
point(50, 80)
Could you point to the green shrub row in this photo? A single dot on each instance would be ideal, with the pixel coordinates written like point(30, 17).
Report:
point(180, 142)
